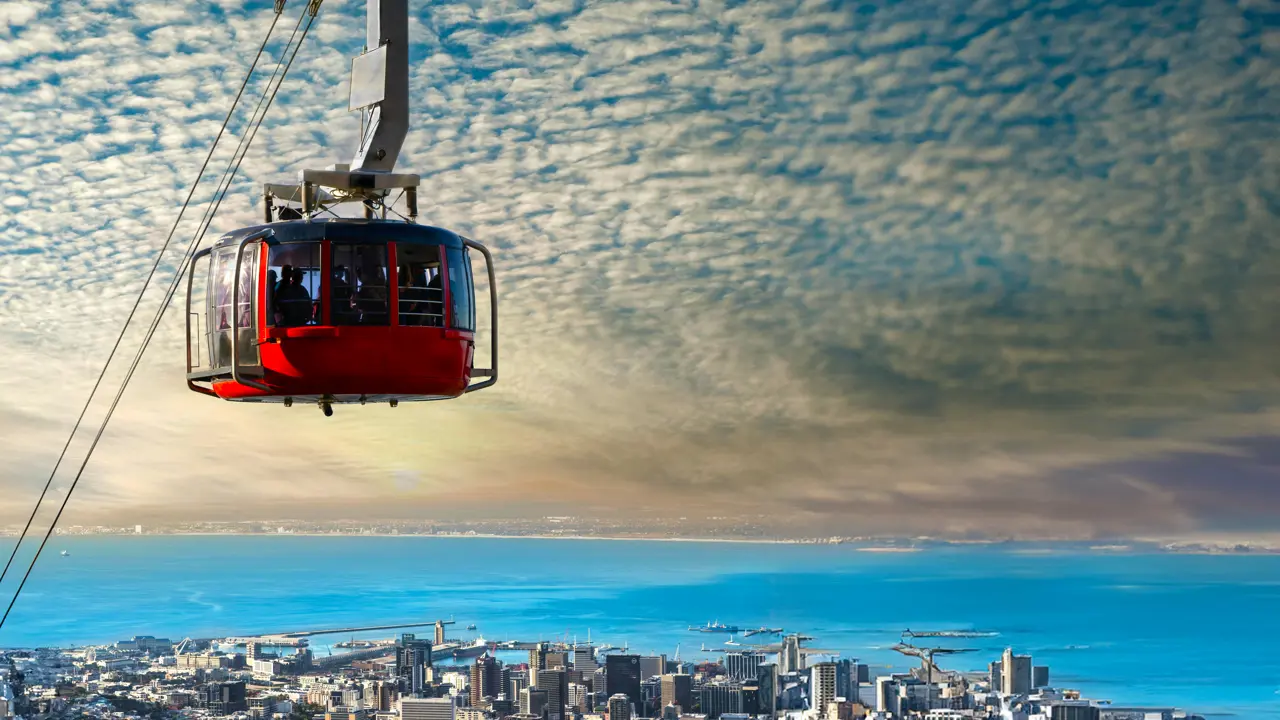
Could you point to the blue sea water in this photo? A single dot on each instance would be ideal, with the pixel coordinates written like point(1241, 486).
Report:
point(1199, 632)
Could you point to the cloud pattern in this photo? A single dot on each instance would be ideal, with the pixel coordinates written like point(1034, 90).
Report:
point(971, 267)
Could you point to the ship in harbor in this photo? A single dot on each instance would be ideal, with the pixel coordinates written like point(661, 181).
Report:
point(715, 627)
point(460, 651)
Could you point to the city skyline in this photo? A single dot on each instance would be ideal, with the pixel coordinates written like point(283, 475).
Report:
point(406, 674)
point(970, 270)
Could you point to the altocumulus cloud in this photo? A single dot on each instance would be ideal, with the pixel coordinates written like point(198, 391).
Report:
point(947, 266)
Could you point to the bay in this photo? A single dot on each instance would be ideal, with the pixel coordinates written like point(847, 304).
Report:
point(1195, 631)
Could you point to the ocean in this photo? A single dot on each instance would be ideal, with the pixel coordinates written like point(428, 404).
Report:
point(1198, 632)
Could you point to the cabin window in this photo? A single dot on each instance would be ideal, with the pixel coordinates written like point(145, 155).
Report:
point(293, 285)
point(359, 284)
point(462, 310)
point(419, 280)
point(222, 284)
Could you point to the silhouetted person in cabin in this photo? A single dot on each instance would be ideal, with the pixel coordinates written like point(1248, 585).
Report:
point(295, 301)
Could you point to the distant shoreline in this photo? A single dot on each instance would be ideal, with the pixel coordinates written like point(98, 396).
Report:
point(1045, 547)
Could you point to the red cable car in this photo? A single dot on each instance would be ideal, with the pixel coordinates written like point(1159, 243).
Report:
point(337, 309)
point(340, 311)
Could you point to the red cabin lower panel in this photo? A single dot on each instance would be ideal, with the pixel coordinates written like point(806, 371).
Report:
point(396, 362)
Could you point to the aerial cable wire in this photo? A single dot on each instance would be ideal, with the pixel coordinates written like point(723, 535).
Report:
point(313, 7)
point(129, 320)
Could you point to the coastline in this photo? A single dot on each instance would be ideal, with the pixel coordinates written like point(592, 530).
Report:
point(870, 545)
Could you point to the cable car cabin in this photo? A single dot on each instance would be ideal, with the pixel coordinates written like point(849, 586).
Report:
point(339, 311)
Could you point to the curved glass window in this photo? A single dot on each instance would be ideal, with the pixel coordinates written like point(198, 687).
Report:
point(462, 313)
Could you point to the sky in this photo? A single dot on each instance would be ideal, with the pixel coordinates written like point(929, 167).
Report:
point(952, 268)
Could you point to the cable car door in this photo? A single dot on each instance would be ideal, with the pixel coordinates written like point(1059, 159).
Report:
point(223, 291)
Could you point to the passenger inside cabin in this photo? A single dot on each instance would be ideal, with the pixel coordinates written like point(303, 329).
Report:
point(294, 301)
point(343, 309)
point(371, 298)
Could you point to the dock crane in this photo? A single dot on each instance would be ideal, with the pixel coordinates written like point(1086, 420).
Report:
point(926, 656)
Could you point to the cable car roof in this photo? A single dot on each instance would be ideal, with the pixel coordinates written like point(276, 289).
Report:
point(348, 229)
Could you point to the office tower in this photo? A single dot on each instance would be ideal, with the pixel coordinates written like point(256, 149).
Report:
point(619, 707)
point(1016, 673)
point(533, 702)
point(767, 681)
point(677, 691)
point(717, 699)
point(413, 657)
point(598, 687)
point(1039, 677)
point(252, 652)
point(670, 712)
point(377, 695)
point(822, 686)
point(887, 700)
point(537, 661)
point(439, 632)
point(518, 681)
point(750, 699)
point(622, 675)
point(579, 697)
point(426, 709)
point(584, 659)
point(742, 664)
point(486, 680)
point(557, 659)
point(790, 658)
point(650, 666)
point(555, 683)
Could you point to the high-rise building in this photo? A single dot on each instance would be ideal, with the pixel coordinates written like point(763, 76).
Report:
point(377, 695)
point(716, 699)
point(537, 661)
point(750, 699)
point(486, 680)
point(677, 691)
point(580, 697)
point(555, 683)
point(223, 698)
point(790, 658)
point(427, 709)
point(533, 702)
point(822, 686)
point(598, 687)
point(518, 681)
point(413, 657)
point(1039, 677)
point(651, 666)
point(439, 632)
point(767, 681)
point(557, 659)
point(1015, 673)
point(622, 675)
point(743, 664)
point(887, 698)
point(584, 658)
point(619, 707)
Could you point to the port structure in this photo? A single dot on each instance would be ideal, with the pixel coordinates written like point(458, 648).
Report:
point(909, 633)
point(926, 655)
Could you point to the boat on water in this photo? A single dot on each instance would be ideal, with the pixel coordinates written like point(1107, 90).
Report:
point(714, 627)
point(66, 554)
point(471, 627)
